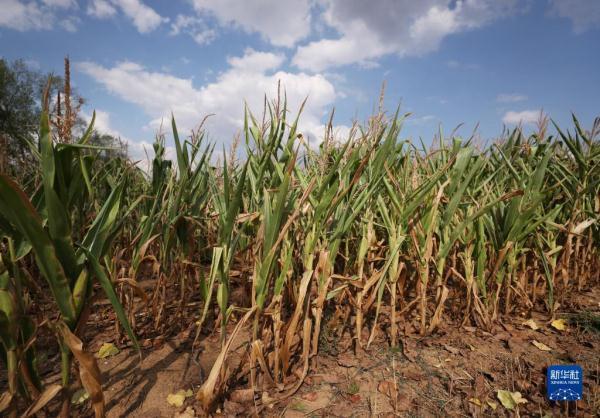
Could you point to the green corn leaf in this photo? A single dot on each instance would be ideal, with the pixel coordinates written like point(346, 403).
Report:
point(109, 291)
point(97, 236)
point(17, 209)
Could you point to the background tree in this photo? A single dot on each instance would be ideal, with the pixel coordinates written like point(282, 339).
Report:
point(21, 92)
point(20, 89)
point(116, 148)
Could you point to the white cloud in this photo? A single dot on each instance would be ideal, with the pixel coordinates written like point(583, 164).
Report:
point(70, 24)
point(584, 14)
point(370, 30)
point(282, 22)
point(65, 4)
point(525, 116)
point(37, 15)
point(183, 22)
point(511, 98)
point(103, 125)
point(256, 61)
point(144, 18)
point(195, 27)
point(24, 16)
point(204, 37)
point(248, 78)
point(101, 9)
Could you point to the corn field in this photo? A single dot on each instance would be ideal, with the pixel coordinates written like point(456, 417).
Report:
point(372, 229)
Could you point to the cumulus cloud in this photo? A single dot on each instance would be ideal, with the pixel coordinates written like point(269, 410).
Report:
point(38, 15)
point(48, 14)
point(102, 124)
point(65, 4)
point(70, 24)
point(24, 16)
point(511, 98)
point(584, 14)
point(101, 9)
point(195, 27)
point(523, 117)
point(369, 30)
point(143, 17)
point(248, 79)
point(283, 23)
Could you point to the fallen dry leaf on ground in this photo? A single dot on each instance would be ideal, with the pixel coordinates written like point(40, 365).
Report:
point(531, 324)
point(177, 399)
point(79, 397)
point(559, 324)
point(107, 350)
point(510, 400)
point(475, 401)
point(541, 346)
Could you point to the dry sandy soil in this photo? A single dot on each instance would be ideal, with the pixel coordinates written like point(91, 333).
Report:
point(456, 372)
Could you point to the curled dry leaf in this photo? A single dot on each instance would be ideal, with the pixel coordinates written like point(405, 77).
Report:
point(541, 346)
point(531, 324)
point(583, 225)
point(88, 369)
point(475, 401)
point(177, 399)
point(79, 397)
point(509, 399)
point(107, 350)
point(559, 324)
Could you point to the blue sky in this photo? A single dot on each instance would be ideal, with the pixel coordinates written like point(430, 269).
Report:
point(486, 62)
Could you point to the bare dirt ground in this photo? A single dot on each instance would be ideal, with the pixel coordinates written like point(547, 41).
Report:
point(455, 372)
